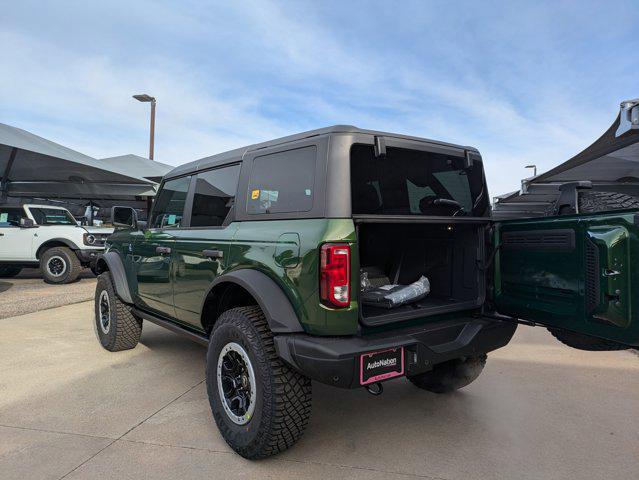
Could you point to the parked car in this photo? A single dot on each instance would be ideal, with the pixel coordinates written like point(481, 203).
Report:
point(49, 237)
point(268, 255)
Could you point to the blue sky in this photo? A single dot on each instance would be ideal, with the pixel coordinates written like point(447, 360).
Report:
point(525, 82)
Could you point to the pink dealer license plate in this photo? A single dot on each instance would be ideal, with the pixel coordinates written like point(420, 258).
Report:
point(381, 365)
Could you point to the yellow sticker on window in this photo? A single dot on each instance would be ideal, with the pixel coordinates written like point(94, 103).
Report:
point(255, 194)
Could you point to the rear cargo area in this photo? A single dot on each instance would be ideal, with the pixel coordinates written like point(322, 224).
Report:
point(448, 254)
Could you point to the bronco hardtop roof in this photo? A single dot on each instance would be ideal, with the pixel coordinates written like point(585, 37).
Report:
point(237, 154)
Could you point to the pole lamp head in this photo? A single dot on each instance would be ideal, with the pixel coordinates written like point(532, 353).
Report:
point(143, 97)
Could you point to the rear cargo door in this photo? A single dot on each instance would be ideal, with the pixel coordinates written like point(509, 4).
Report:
point(578, 273)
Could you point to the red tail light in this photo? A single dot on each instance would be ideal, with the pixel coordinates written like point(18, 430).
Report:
point(335, 275)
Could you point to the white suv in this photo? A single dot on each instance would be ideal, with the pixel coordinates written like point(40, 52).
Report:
point(50, 237)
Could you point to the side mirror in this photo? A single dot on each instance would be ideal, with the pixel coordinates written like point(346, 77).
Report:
point(125, 217)
point(27, 223)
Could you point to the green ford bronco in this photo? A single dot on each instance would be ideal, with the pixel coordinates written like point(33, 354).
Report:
point(351, 257)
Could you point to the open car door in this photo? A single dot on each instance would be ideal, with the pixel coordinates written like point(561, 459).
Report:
point(578, 270)
point(577, 273)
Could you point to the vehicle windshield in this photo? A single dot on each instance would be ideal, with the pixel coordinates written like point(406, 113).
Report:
point(52, 216)
point(415, 182)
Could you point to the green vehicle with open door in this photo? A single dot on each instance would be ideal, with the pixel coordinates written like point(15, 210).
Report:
point(351, 257)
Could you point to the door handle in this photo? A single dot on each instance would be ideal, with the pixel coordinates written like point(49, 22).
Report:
point(213, 253)
point(1, 234)
point(608, 272)
point(163, 250)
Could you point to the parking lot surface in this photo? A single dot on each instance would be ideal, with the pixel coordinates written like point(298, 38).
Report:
point(28, 292)
point(69, 409)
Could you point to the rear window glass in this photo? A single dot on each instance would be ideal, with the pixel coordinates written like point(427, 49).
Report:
point(415, 182)
point(282, 182)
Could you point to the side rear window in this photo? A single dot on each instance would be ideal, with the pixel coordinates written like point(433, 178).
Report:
point(10, 217)
point(282, 182)
point(169, 203)
point(214, 196)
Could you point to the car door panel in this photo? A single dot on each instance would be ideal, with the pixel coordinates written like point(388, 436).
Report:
point(572, 272)
point(199, 257)
point(154, 271)
point(16, 243)
point(153, 249)
point(202, 251)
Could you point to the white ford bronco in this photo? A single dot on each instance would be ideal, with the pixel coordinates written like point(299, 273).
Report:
point(49, 237)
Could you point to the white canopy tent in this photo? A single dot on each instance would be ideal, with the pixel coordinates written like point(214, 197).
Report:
point(34, 166)
point(37, 169)
point(139, 167)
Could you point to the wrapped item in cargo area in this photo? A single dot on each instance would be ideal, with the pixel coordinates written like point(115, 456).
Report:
point(448, 255)
point(390, 296)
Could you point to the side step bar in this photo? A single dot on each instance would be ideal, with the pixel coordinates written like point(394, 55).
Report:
point(197, 337)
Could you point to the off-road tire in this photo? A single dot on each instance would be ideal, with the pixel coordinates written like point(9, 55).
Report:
point(124, 328)
point(590, 202)
point(585, 342)
point(72, 266)
point(451, 375)
point(9, 271)
point(605, 201)
point(283, 400)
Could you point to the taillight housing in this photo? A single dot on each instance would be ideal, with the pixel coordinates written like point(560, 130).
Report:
point(335, 275)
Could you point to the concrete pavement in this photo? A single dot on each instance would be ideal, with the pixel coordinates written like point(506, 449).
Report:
point(69, 409)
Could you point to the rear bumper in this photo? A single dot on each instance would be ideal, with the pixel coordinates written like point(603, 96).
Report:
point(335, 360)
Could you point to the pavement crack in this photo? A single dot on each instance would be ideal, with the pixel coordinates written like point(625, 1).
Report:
point(185, 447)
point(131, 429)
point(59, 432)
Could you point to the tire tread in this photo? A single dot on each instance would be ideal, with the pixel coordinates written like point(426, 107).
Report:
point(291, 391)
point(75, 267)
point(127, 327)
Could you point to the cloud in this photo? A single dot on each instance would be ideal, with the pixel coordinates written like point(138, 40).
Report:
point(508, 80)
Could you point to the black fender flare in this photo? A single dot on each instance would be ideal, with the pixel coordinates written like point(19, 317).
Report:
point(277, 308)
point(112, 262)
point(65, 241)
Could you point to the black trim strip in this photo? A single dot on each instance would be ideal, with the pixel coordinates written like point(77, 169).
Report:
point(417, 219)
point(191, 335)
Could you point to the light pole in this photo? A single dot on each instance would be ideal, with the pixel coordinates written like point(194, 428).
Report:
point(148, 98)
